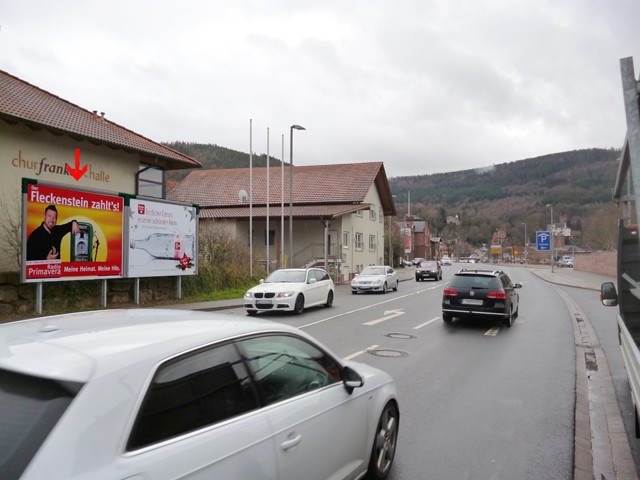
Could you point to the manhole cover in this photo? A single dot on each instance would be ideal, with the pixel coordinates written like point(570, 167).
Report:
point(388, 353)
point(404, 336)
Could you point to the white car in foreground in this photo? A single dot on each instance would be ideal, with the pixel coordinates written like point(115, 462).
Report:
point(168, 394)
point(290, 289)
point(375, 278)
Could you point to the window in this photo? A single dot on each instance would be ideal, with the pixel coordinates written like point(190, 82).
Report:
point(372, 242)
point(345, 239)
point(359, 241)
point(320, 275)
point(372, 215)
point(151, 182)
point(285, 366)
point(272, 237)
point(380, 215)
point(359, 213)
point(192, 392)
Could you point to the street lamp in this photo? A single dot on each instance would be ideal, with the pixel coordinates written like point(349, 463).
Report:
point(551, 237)
point(525, 242)
point(293, 127)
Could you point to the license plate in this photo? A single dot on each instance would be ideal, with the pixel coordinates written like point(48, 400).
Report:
point(470, 301)
point(263, 302)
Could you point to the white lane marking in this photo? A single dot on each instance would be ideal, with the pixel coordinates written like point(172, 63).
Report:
point(426, 323)
point(354, 355)
point(365, 308)
point(388, 315)
point(492, 332)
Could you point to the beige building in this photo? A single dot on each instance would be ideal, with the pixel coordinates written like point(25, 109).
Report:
point(39, 135)
point(338, 212)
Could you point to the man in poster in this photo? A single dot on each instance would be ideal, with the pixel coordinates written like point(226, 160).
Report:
point(44, 241)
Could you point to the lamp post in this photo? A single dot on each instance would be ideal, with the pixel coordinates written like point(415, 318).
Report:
point(551, 237)
point(291, 129)
point(526, 242)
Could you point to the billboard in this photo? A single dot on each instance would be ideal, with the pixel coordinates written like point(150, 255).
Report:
point(162, 238)
point(70, 234)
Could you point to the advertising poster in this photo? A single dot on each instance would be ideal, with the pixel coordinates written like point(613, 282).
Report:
point(162, 238)
point(70, 234)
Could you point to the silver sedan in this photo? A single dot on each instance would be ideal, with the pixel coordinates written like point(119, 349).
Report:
point(375, 278)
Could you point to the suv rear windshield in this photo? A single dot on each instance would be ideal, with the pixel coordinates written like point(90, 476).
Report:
point(475, 281)
point(29, 409)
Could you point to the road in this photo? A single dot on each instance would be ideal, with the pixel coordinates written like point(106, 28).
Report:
point(478, 400)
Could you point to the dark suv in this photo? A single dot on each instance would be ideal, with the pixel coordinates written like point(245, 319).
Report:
point(480, 293)
point(428, 270)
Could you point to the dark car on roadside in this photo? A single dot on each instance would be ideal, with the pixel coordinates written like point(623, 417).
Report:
point(428, 270)
point(475, 293)
point(417, 261)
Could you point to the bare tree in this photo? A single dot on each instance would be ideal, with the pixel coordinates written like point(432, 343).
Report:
point(11, 228)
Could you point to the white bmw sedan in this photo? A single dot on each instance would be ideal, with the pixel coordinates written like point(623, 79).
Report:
point(375, 278)
point(170, 394)
point(290, 289)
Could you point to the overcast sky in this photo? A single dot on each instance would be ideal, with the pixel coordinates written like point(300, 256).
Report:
point(424, 86)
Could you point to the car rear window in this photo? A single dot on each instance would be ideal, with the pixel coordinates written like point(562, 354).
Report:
point(29, 409)
point(475, 281)
point(429, 265)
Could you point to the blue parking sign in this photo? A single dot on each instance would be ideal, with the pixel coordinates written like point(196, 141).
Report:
point(543, 240)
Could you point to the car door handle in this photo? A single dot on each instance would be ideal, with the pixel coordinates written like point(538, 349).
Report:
point(290, 442)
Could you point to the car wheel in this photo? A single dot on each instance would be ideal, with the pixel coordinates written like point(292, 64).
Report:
point(446, 317)
point(329, 299)
point(252, 313)
point(417, 279)
point(384, 444)
point(353, 292)
point(395, 289)
point(299, 306)
point(384, 288)
point(508, 320)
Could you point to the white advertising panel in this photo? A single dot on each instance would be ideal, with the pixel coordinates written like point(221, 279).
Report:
point(163, 238)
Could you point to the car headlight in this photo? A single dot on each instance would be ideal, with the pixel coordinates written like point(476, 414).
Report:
point(378, 282)
point(248, 295)
point(285, 294)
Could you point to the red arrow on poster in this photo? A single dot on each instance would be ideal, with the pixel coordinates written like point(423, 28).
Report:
point(77, 172)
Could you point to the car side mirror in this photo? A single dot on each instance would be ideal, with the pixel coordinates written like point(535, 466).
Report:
point(608, 294)
point(517, 285)
point(312, 280)
point(351, 379)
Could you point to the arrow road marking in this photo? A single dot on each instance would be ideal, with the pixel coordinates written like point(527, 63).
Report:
point(389, 314)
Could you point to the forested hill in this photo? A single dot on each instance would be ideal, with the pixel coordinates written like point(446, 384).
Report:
point(578, 177)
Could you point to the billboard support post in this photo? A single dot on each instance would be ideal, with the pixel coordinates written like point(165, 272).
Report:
point(104, 293)
point(136, 290)
point(39, 298)
point(179, 288)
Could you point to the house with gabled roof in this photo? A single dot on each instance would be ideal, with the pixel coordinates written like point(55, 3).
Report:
point(40, 133)
point(337, 211)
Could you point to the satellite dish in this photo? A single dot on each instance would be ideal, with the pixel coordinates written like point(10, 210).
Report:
point(242, 196)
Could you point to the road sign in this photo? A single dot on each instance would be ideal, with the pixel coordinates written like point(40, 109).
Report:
point(543, 240)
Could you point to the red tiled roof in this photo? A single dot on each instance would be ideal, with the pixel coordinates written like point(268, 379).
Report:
point(314, 184)
point(275, 212)
point(25, 103)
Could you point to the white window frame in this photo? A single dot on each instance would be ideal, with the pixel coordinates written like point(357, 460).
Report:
point(345, 239)
point(372, 243)
point(358, 241)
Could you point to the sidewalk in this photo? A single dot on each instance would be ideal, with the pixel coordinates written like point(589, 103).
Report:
point(570, 277)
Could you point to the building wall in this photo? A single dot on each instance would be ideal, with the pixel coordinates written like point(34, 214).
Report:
point(42, 156)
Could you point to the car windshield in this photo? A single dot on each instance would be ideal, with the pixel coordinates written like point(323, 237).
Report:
point(373, 271)
point(29, 409)
point(428, 265)
point(287, 276)
point(475, 281)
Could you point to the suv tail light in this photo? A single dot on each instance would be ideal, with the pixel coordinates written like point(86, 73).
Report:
point(450, 292)
point(500, 295)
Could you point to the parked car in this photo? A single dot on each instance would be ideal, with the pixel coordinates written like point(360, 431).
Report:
point(566, 261)
point(164, 394)
point(481, 293)
point(428, 270)
point(446, 261)
point(375, 278)
point(290, 289)
point(417, 261)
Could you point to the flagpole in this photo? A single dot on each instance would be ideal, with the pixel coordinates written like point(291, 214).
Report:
point(267, 197)
point(282, 208)
point(251, 197)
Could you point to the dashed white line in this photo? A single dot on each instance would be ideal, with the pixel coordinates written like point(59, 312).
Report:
point(354, 355)
point(426, 323)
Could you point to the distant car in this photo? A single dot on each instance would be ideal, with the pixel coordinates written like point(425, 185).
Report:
point(566, 261)
point(428, 270)
point(417, 261)
point(290, 289)
point(480, 293)
point(375, 278)
point(166, 394)
point(446, 261)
